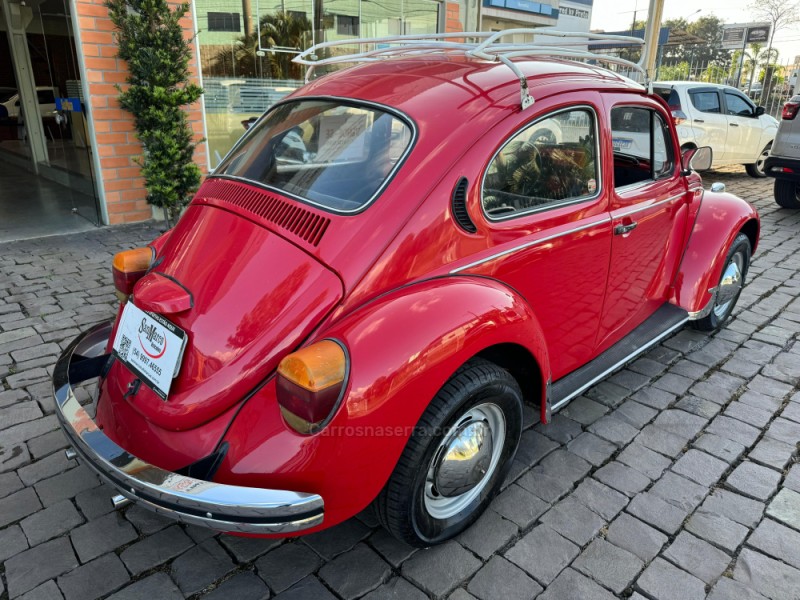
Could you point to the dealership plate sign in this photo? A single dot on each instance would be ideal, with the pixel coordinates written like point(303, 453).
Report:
point(150, 346)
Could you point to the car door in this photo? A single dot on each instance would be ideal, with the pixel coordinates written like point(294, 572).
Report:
point(648, 217)
point(709, 121)
point(744, 128)
point(545, 208)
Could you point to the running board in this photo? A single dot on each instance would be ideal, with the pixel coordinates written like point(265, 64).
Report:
point(661, 324)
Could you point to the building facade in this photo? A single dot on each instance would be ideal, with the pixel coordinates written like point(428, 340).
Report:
point(242, 51)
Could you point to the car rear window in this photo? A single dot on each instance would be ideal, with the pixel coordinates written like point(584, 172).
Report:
point(336, 155)
point(669, 95)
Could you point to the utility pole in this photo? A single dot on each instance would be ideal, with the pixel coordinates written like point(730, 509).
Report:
point(651, 34)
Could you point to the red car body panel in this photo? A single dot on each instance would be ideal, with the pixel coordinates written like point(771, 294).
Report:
point(236, 333)
point(720, 219)
point(403, 347)
point(409, 294)
point(129, 428)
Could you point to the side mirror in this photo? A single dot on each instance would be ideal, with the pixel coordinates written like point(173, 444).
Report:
point(696, 159)
point(760, 110)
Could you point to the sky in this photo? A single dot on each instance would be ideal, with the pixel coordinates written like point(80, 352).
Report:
point(614, 15)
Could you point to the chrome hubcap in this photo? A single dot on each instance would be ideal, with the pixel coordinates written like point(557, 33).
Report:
point(729, 285)
point(464, 461)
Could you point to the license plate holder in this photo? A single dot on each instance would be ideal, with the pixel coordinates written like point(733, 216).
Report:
point(150, 346)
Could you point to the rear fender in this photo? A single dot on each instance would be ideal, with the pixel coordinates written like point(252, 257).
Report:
point(402, 349)
point(720, 219)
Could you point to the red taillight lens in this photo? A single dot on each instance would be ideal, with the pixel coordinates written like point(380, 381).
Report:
point(310, 383)
point(129, 267)
point(790, 110)
point(678, 116)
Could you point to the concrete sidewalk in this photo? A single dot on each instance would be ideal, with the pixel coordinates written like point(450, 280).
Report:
point(675, 479)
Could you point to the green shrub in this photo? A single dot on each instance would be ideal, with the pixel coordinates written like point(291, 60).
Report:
point(151, 40)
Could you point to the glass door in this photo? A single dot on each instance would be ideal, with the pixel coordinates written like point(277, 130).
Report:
point(62, 107)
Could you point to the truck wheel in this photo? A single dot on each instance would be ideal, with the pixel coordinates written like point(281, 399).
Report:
point(729, 286)
point(787, 193)
point(456, 458)
point(757, 168)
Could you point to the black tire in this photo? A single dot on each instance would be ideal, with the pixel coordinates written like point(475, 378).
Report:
point(403, 504)
point(787, 193)
point(739, 253)
point(757, 168)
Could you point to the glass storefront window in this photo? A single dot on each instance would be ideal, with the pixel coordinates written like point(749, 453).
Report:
point(246, 47)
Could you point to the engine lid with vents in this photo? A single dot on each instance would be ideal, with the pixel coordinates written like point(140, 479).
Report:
point(255, 297)
point(302, 224)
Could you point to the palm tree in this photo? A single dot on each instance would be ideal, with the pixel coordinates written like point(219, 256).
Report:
point(280, 30)
point(757, 55)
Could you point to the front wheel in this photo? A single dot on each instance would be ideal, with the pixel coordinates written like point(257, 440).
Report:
point(730, 285)
point(757, 168)
point(457, 457)
point(787, 193)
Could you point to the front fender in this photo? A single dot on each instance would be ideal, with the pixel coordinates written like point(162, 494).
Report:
point(720, 219)
point(402, 349)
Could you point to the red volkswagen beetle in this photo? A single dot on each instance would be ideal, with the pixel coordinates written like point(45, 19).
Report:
point(392, 261)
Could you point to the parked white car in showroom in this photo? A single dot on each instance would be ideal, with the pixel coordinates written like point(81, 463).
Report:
point(720, 116)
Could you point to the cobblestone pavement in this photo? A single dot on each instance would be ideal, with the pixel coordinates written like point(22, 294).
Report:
point(677, 478)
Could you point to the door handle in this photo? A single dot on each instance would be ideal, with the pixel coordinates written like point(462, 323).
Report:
point(623, 229)
point(699, 121)
point(734, 124)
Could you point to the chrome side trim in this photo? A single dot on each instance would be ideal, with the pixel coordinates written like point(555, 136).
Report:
point(218, 506)
point(528, 245)
point(619, 364)
point(706, 310)
point(643, 208)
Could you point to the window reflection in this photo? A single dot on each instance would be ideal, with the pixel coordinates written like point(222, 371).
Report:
point(246, 47)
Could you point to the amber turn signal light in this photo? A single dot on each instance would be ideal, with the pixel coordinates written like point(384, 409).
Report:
point(129, 266)
point(309, 385)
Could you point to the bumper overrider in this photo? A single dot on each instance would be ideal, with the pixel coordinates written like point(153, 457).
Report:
point(218, 506)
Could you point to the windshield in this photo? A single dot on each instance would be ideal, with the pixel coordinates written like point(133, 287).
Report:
point(332, 154)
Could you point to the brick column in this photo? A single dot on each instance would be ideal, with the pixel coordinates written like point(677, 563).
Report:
point(452, 23)
point(116, 143)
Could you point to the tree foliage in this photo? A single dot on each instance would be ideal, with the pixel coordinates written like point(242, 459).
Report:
point(151, 40)
point(708, 28)
point(778, 13)
point(280, 29)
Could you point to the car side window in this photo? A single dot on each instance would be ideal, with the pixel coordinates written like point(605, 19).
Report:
point(737, 105)
point(642, 146)
point(706, 101)
point(549, 163)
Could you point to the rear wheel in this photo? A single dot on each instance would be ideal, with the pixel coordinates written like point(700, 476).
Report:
point(787, 193)
point(457, 457)
point(757, 168)
point(730, 285)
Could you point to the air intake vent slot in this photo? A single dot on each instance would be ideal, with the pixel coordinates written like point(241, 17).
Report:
point(459, 205)
point(301, 222)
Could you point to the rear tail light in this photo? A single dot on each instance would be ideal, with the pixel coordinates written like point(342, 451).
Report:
point(310, 383)
point(129, 267)
point(678, 116)
point(790, 110)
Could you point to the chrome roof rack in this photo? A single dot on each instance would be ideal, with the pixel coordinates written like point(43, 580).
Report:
point(486, 46)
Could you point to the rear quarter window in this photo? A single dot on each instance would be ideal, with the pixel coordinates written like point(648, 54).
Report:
point(706, 101)
point(549, 163)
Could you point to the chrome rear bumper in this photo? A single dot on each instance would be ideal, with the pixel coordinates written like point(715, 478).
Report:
point(218, 506)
